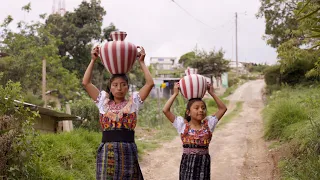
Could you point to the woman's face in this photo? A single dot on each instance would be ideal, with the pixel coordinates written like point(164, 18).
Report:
point(198, 111)
point(119, 88)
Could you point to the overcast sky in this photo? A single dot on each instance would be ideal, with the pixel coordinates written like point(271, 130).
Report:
point(164, 29)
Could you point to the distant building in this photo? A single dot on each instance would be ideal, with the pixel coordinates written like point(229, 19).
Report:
point(165, 67)
point(241, 67)
point(162, 63)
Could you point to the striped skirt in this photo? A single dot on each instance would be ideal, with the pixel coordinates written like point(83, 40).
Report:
point(118, 161)
point(195, 166)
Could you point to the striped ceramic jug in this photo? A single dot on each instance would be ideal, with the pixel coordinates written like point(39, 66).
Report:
point(118, 56)
point(193, 86)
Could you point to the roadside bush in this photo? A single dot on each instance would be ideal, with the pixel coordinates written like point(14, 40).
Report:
point(17, 151)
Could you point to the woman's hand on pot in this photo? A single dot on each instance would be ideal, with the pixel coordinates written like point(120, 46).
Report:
point(95, 53)
point(142, 54)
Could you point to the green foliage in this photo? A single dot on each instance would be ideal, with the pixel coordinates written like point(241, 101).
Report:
point(17, 151)
point(27, 48)
point(187, 58)
point(258, 68)
point(29, 97)
point(233, 80)
point(151, 113)
point(27, 7)
point(136, 76)
point(293, 117)
point(284, 114)
point(88, 111)
point(272, 88)
point(107, 31)
point(76, 30)
point(292, 26)
point(211, 63)
point(272, 75)
point(280, 20)
point(212, 106)
point(314, 72)
point(291, 76)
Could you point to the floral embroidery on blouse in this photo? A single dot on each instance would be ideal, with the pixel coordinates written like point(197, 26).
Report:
point(110, 105)
point(201, 137)
point(118, 116)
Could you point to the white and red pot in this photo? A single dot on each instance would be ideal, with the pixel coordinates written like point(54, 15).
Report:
point(118, 56)
point(193, 86)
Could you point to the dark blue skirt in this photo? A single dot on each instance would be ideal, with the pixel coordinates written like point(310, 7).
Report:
point(195, 166)
point(118, 160)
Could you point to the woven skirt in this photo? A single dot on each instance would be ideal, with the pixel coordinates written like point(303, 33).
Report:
point(118, 161)
point(195, 167)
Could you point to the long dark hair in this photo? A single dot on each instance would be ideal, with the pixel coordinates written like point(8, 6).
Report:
point(190, 102)
point(112, 78)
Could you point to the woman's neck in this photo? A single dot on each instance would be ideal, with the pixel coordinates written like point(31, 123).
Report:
point(195, 124)
point(117, 101)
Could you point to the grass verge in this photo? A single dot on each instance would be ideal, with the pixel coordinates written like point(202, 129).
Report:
point(292, 118)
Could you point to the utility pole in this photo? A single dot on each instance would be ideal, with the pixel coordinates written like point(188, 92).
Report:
point(237, 70)
point(44, 65)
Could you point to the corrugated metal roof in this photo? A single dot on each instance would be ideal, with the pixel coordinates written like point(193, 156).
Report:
point(49, 112)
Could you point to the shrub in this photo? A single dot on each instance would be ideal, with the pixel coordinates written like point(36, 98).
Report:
point(284, 113)
point(88, 111)
point(17, 150)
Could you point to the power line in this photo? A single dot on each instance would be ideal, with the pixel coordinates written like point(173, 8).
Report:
point(213, 28)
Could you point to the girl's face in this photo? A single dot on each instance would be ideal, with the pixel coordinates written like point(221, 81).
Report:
point(198, 111)
point(119, 88)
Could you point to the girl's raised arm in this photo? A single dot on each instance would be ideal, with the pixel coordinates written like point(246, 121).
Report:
point(166, 109)
point(222, 108)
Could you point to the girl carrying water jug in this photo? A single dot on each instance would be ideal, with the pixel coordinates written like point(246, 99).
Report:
point(195, 128)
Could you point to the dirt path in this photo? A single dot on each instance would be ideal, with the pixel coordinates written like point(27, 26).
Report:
point(237, 150)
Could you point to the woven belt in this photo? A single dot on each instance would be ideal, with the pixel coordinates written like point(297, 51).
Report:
point(118, 136)
point(200, 151)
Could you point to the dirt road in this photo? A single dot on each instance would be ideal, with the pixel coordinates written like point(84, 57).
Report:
point(237, 150)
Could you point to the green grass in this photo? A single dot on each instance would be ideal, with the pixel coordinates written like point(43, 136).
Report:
point(212, 105)
point(292, 118)
point(73, 155)
point(68, 155)
point(275, 144)
point(283, 114)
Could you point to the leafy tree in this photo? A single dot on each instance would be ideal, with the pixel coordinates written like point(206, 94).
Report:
point(77, 30)
point(292, 26)
point(211, 63)
point(280, 20)
point(308, 16)
point(108, 30)
point(187, 58)
point(26, 50)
